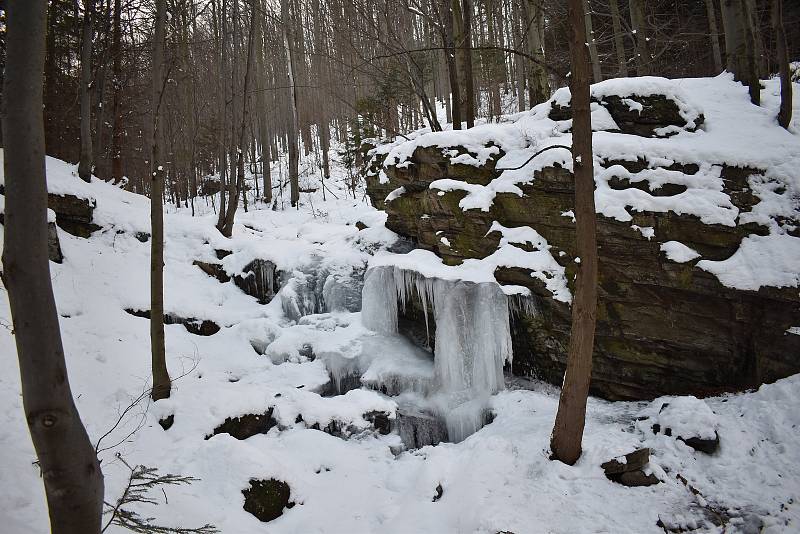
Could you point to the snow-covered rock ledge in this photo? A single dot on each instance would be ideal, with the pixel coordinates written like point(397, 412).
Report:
point(697, 227)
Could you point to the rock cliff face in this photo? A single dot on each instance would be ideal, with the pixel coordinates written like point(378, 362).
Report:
point(664, 326)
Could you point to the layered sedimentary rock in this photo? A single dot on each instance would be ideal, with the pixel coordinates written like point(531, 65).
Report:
point(665, 325)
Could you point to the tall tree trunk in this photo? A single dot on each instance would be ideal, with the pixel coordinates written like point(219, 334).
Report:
point(70, 471)
point(161, 380)
point(597, 75)
point(782, 53)
point(261, 104)
point(294, 156)
point(448, 39)
point(222, 43)
point(619, 44)
point(639, 26)
point(538, 85)
point(116, 127)
point(739, 47)
point(85, 165)
point(565, 441)
point(713, 35)
point(468, 98)
point(239, 187)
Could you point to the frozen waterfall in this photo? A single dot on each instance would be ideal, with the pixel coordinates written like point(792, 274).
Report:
point(472, 340)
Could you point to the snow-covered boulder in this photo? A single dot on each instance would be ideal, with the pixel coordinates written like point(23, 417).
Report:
point(687, 419)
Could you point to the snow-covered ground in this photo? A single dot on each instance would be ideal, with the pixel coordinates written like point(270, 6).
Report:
point(499, 479)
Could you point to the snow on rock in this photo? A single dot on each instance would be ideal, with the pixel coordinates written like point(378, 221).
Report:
point(770, 260)
point(678, 252)
point(686, 417)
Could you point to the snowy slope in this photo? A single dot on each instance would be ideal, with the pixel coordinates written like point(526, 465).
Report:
point(498, 479)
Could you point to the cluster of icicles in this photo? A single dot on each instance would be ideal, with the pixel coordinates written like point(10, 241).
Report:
point(472, 339)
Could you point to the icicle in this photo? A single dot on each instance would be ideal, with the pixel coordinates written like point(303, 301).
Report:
point(379, 301)
point(473, 337)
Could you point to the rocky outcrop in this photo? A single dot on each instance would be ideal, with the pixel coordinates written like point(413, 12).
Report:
point(663, 327)
point(646, 116)
point(73, 214)
point(198, 327)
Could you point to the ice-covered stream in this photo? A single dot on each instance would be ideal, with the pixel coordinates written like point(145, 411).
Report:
point(472, 338)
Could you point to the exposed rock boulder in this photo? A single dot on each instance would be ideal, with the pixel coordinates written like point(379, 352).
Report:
point(631, 469)
point(267, 499)
point(213, 269)
point(53, 244)
point(246, 426)
point(73, 214)
point(199, 327)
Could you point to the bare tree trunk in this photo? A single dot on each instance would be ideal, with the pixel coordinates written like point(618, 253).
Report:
point(70, 471)
point(597, 75)
point(713, 35)
point(739, 47)
point(294, 156)
point(222, 93)
point(261, 104)
point(782, 53)
point(565, 441)
point(116, 128)
point(161, 380)
point(468, 98)
point(639, 26)
point(619, 44)
point(233, 201)
point(85, 165)
point(447, 29)
point(538, 85)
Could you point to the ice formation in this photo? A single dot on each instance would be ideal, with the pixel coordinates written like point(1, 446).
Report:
point(472, 340)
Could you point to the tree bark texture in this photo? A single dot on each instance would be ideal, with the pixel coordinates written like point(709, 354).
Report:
point(161, 381)
point(85, 165)
point(70, 471)
point(567, 434)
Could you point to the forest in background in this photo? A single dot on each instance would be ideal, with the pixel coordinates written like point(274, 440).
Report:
point(353, 69)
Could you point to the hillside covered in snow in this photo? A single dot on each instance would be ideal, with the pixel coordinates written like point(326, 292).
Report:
point(384, 389)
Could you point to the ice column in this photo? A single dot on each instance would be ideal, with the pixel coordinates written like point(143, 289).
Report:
point(473, 337)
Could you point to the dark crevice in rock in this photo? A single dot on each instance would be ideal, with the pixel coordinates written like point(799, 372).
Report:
point(259, 279)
